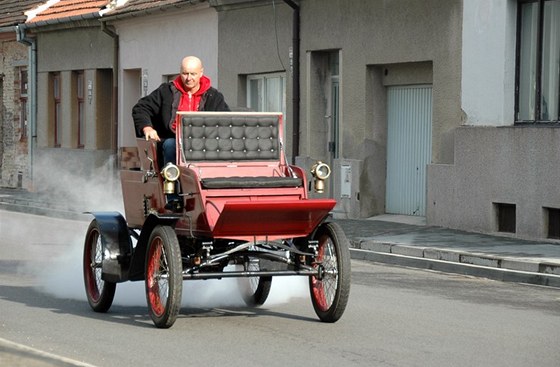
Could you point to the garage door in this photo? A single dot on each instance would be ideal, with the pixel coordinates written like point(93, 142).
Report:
point(409, 147)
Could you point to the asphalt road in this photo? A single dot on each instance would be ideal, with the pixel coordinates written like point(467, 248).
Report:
point(396, 316)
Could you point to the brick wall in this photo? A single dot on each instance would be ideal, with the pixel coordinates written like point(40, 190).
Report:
point(13, 150)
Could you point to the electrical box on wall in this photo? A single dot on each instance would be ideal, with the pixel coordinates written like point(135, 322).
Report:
point(144, 82)
point(345, 181)
point(346, 187)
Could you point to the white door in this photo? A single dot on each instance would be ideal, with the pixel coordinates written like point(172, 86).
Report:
point(409, 148)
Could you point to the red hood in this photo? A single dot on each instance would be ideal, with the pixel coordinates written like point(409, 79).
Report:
point(204, 85)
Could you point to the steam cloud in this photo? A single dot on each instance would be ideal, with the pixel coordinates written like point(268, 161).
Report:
point(84, 190)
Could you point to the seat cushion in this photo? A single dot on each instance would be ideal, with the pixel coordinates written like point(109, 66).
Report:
point(250, 182)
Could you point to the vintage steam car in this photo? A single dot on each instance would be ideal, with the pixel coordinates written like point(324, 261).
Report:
point(243, 212)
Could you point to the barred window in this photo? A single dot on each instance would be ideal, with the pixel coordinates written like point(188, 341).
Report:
point(23, 86)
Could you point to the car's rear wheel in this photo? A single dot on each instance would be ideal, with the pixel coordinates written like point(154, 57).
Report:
point(100, 293)
point(330, 289)
point(164, 278)
point(254, 290)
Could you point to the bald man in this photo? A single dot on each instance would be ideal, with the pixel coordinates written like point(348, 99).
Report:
point(154, 115)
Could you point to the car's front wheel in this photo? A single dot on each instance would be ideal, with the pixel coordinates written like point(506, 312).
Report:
point(164, 278)
point(330, 289)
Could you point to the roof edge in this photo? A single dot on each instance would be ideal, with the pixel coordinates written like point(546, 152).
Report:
point(64, 20)
point(149, 11)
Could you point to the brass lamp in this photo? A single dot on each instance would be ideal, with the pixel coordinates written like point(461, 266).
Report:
point(171, 174)
point(320, 171)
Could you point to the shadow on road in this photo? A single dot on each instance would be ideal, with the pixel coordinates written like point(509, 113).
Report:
point(129, 315)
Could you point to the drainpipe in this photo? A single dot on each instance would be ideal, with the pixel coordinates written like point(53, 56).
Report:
point(31, 42)
point(114, 138)
point(295, 78)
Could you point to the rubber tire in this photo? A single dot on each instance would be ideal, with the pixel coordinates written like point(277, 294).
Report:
point(255, 290)
point(330, 294)
point(163, 257)
point(100, 293)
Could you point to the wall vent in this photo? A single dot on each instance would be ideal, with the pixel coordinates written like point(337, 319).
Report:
point(505, 217)
point(553, 222)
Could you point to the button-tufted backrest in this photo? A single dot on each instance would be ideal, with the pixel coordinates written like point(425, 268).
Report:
point(230, 137)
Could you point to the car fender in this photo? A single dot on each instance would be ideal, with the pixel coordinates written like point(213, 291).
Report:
point(116, 244)
point(138, 261)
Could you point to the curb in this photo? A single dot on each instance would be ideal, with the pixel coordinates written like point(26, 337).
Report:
point(451, 261)
point(31, 208)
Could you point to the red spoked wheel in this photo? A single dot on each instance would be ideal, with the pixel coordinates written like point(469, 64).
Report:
point(100, 293)
point(330, 289)
point(164, 278)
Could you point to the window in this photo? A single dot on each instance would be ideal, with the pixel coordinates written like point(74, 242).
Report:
point(267, 92)
point(169, 77)
point(57, 117)
point(80, 107)
point(538, 62)
point(23, 85)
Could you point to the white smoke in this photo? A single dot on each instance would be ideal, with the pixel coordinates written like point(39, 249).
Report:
point(77, 186)
point(63, 278)
point(99, 189)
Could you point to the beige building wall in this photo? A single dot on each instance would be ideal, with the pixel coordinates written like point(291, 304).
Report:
point(76, 48)
point(151, 49)
point(378, 43)
point(67, 51)
point(263, 47)
point(383, 35)
point(496, 164)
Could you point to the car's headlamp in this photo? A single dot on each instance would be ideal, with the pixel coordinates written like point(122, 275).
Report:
point(171, 172)
point(320, 171)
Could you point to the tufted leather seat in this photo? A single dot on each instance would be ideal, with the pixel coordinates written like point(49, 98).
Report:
point(234, 138)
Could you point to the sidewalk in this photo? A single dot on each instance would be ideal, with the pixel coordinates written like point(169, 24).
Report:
point(392, 240)
point(383, 239)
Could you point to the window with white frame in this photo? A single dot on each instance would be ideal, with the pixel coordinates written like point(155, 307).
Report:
point(267, 92)
point(538, 62)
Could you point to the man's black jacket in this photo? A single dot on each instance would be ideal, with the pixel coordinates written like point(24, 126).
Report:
point(158, 109)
